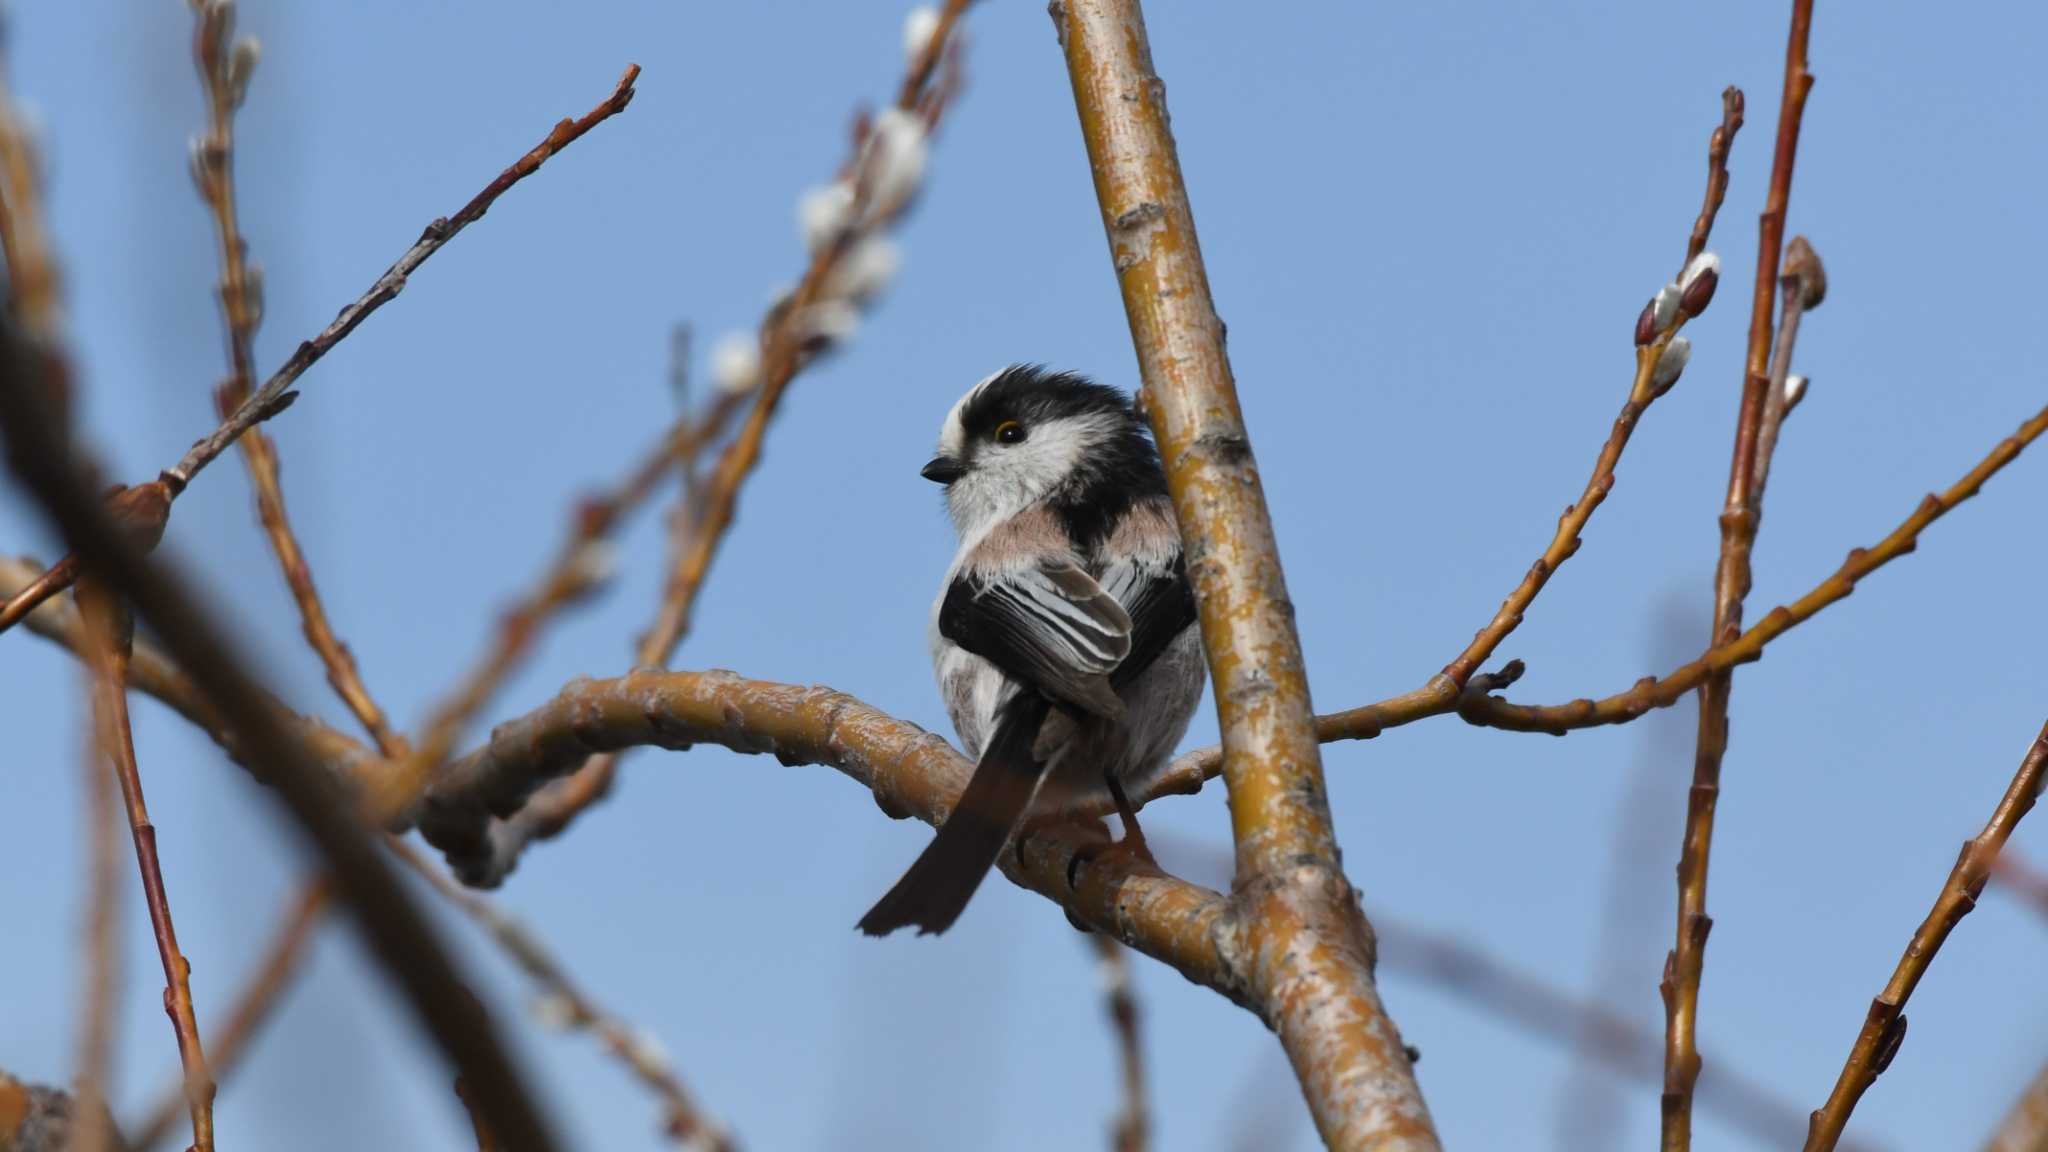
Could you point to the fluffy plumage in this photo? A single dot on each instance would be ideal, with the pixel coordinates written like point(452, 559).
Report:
point(1063, 639)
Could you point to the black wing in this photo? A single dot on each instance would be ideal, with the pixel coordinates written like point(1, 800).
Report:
point(1160, 603)
point(1051, 627)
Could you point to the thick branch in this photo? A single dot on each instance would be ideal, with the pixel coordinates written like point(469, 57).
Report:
point(1884, 1027)
point(1309, 945)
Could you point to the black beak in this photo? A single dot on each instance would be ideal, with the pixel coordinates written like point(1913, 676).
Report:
point(943, 470)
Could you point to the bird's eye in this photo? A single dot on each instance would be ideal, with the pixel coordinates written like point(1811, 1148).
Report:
point(1009, 432)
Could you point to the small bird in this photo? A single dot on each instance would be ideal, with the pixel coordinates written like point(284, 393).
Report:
point(1064, 637)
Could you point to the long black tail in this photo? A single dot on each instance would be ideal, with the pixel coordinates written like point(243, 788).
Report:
point(939, 883)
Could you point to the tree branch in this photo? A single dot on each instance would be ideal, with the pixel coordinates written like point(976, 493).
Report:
point(276, 395)
point(1310, 947)
point(2025, 1127)
point(391, 923)
point(109, 632)
point(1884, 1028)
point(1681, 984)
point(1132, 1130)
point(876, 186)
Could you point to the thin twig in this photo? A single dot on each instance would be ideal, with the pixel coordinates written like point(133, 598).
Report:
point(1718, 146)
point(1293, 911)
point(565, 1006)
point(1681, 984)
point(1132, 1129)
point(790, 338)
point(253, 1006)
point(391, 924)
point(107, 622)
point(276, 394)
point(102, 933)
point(225, 65)
point(1478, 707)
point(1884, 1027)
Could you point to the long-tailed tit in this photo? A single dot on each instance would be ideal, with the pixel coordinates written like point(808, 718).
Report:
point(1064, 639)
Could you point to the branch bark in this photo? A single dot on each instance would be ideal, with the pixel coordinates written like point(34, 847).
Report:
point(1681, 984)
point(1309, 947)
point(1884, 1027)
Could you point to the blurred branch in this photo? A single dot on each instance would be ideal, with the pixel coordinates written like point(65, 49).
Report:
point(1292, 911)
point(102, 966)
point(2019, 876)
point(1478, 706)
point(2025, 1127)
point(846, 224)
point(275, 395)
point(1513, 996)
point(1739, 520)
point(1132, 1131)
point(1884, 1028)
point(110, 631)
point(225, 66)
point(258, 997)
point(563, 1006)
point(48, 469)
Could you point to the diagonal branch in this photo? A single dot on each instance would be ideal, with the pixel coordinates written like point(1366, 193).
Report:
point(391, 923)
point(276, 395)
point(1292, 909)
point(877, 186)
point(1884, 1028)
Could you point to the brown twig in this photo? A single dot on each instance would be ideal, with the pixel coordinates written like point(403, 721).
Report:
point(684, 1122)
point(1884, 1028)
point(102, 933)
point(1718, 146)
point(225, 66)
point(1292, 906)
point(1478, 707)
point(108, 625)
point(252, 1007)
point(790, 339)
point(1681, 984)
point(391, 924)
point(275, 394)
point(484, 1143)
point(1132, 1129)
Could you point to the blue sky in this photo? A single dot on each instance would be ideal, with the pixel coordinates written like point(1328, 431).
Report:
point(1429, 227)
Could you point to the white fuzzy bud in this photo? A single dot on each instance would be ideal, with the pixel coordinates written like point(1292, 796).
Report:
point(1670, 363)
point(1795, 388)
point(918, 28)
point(823, 213)
point(736, 362)
point(1664, 309)
point(242, 65)
point(1700, 265)
point(647, 1053)
point(826, 323)
point(864, 271)
point(892, 162)
point(591, 567)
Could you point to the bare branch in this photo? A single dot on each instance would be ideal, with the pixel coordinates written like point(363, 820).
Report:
point(875, 189)
point(262, 993)
point(110, 632)
point(276, 395)
point(1310, 946)
point(2025, 1127)
point(1681, 985)
point(102, 966)
point(391, 923)
point(1132, 1131)
point(1884, 1028)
